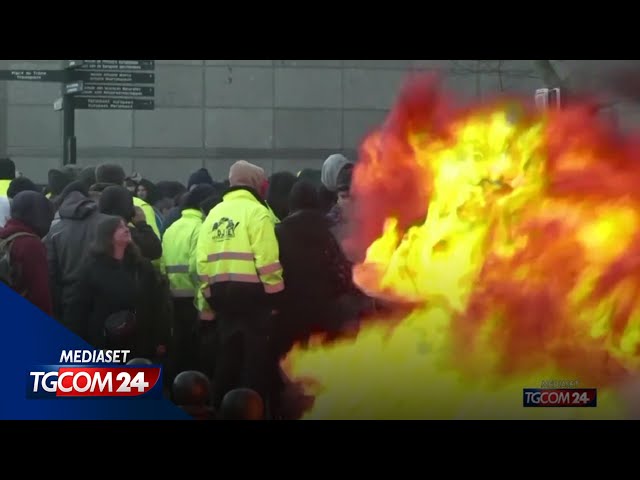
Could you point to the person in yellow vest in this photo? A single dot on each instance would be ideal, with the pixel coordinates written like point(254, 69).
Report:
point(241, 278)
point(179, 252)
point(7, 173)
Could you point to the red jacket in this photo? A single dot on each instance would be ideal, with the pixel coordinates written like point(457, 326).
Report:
point(31, 254)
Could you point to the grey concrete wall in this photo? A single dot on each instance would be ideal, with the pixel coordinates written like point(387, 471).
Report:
point(280, 114)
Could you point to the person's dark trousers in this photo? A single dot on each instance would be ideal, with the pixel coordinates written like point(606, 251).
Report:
point(207, 338)
point(243, 357)
point(185, 342)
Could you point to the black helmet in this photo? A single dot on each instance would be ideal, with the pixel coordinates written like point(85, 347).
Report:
point(242, 404)
point(191, 388)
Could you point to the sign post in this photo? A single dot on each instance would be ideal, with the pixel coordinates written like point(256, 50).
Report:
point(69, 145)
point(93, 85)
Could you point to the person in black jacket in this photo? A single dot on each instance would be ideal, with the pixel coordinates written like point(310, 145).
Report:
point(68, 241)
point(117, 282)
point(21, 184)
point(116, 200)
point(315, 270)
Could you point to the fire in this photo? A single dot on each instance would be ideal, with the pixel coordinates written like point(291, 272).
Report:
point(515, 237)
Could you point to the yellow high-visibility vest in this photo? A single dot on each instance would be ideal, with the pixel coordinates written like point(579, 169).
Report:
point(149, 214)
point(237, 243)
point(179, 252)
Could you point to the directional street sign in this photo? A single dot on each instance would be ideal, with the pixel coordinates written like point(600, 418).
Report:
point(112, 77)
point(74, 87)
point(114, 65)
point(94, 90)
point(33, 75)
point(93, 85)
point(113, 104)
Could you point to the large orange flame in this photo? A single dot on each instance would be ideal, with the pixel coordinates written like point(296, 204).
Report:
point(515, 235)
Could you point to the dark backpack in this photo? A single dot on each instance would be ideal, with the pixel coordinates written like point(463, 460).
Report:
point(9, 274)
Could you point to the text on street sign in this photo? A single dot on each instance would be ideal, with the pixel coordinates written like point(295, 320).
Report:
point(113, 104)
point(112, 77)
point(91, 89)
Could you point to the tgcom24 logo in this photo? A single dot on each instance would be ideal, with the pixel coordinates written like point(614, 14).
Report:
point(93, 373)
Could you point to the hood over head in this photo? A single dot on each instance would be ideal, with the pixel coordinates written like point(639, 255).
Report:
point(77, 206)
point(243, 173)
point(21, 184)
point(198, 177)
point(331, 169)
point(110, 173)
point(117, 200)
point(58, 180)
point(87, 176)
point(304, 196)
point(34, 210)
point(280, 185)
point(77, 186)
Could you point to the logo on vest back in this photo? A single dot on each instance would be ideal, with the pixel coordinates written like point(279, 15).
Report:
point(224, 228)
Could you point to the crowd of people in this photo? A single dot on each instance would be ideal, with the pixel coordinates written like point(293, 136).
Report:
point(215, 280)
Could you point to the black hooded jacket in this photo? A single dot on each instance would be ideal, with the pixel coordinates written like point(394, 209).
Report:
point(68, 244)
point(108, 286)
point(315, 270)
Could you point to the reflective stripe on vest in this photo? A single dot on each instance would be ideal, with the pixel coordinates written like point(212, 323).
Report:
point(230, 256)
point(237, 243)
point(266, 270)
point(278, 287)
point(272, 268)
point(178, 253)
point(177, 268)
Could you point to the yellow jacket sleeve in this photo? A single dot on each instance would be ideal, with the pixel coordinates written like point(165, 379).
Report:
point(149, 214)
point(200, 302)
point(264, 245)
point(199, 261)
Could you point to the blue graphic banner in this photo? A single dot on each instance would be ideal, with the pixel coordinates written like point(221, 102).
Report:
point(29, 339)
